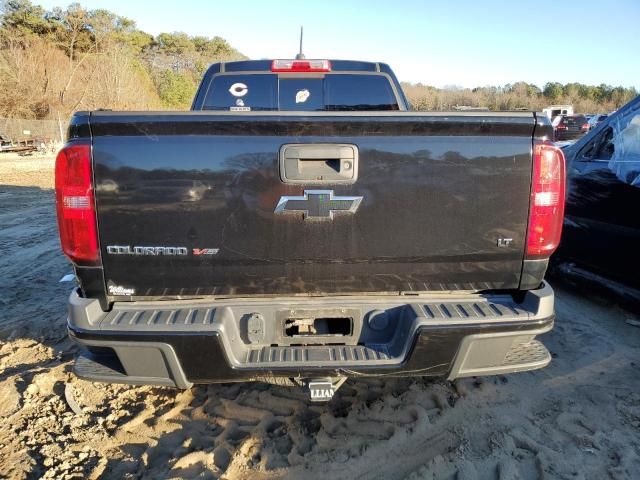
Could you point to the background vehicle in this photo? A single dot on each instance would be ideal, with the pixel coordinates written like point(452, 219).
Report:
point(4, 143)
point(553, 111)
point(334, 234)
point(570, 127)
point(602, 225)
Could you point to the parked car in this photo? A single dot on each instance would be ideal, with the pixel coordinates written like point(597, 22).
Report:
point(602, 224)
point(595, 120)
point(331, 232)
point(570, 127)
point(5, 143)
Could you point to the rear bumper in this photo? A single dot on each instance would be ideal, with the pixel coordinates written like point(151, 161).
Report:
point(179, 343)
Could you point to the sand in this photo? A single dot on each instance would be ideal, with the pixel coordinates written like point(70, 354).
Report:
point(579, 418)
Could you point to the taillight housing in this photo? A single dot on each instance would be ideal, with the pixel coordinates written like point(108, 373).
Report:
point(547, 200)
point(585, 126)
point(300, 66)
point(75, 204)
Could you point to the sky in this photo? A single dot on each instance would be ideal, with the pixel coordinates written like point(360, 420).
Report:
point(457, 42)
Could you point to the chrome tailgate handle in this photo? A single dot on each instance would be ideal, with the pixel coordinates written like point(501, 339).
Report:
point(319, 163)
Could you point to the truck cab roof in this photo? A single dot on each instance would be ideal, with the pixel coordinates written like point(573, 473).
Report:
point(265, 67)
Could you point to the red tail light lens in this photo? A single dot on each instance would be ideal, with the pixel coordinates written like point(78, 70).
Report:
point(547, 200)
point(309, 66)
point(585, 126)
point(75, 205)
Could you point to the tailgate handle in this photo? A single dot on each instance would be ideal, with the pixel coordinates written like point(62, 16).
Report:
point(318, 163)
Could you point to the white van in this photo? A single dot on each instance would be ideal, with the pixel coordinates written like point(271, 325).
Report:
point(552, 111)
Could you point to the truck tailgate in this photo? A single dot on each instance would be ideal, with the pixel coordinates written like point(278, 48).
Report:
point(187, 203)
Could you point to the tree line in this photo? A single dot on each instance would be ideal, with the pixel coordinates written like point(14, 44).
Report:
point(55, 62)
point(521, 96)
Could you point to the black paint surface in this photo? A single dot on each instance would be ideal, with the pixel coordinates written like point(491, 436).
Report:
point(438, 191)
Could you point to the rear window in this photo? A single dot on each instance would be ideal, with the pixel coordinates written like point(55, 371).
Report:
point(575, 120)
point(239, 92)
point(334, 92)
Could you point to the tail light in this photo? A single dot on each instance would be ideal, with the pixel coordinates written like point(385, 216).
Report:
point(75, 204)
point(561, 127)
point(547, 200)
point(585, 126)
point(309, 66)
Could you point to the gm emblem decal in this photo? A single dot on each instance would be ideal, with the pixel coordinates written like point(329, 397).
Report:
point(318, 204)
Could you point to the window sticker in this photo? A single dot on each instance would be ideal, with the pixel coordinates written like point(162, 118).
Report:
point(238, 89)
point(302, 95)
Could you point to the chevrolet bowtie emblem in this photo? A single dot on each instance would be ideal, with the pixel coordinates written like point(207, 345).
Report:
point(318, 204)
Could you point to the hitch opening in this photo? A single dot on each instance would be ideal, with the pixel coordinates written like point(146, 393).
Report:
point(340, 326)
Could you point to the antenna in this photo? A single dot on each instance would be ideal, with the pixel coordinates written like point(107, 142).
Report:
point(300, 55)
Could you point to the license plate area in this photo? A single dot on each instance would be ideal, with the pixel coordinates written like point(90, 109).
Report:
point(333, 326)
point(323, 326)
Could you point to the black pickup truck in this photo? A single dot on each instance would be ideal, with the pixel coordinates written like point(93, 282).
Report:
point(300, 225)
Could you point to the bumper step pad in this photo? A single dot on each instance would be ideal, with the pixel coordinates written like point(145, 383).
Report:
point(96, 367)
point(311, 355)
point(106, 367)
point(533, 352)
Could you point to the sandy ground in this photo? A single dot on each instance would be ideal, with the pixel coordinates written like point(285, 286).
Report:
point(577, 419)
